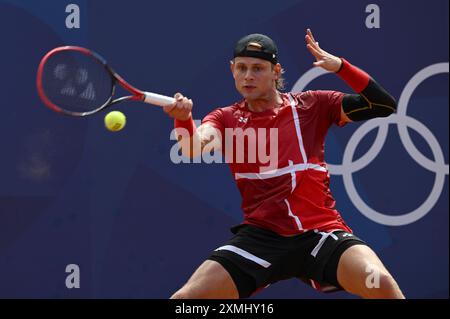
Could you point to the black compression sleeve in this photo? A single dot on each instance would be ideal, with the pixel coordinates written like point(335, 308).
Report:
point(371, 102)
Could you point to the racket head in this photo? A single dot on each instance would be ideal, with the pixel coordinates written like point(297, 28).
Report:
point(78, 82)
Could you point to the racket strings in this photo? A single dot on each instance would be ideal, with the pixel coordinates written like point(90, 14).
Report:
point(76, 82)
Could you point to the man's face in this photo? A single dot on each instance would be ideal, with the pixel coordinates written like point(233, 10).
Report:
point(254, 78)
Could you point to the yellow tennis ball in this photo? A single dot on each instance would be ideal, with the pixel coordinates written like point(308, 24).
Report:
point(115, 121)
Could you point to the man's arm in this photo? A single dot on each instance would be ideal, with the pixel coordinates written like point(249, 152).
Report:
point(194, 145)
point(192, 140)
point(371, 101)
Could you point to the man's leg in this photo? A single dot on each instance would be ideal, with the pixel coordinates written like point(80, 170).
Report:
point(210, 280)
point(362, 273)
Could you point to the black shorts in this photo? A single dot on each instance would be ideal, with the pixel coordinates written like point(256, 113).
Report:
point(256, 257)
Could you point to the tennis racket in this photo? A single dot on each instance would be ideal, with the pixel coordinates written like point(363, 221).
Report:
point(78, 82)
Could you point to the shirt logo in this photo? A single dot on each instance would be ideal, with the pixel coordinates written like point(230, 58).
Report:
point(243, 119)
point(347, 235)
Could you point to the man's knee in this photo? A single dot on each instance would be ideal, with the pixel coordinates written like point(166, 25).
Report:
point(184, 293)
point(362, 273)
point(210, 280)
point(388, 286)
point(179, 295)
point(381, 284)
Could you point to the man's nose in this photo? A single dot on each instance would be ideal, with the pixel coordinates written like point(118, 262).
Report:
point(248, 75)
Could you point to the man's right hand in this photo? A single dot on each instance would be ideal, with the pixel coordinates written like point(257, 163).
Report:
point(181, 109)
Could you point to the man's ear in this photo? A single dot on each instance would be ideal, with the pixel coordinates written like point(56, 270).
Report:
point(277, 70)
point(232, 67)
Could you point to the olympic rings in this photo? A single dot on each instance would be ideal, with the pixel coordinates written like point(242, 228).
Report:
point(403, 122)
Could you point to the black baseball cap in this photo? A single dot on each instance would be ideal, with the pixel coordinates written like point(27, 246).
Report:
point(257, 46)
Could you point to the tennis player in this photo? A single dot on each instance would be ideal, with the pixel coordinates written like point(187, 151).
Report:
point(291, 228)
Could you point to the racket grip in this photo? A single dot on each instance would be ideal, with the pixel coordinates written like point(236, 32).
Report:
point(158, 99)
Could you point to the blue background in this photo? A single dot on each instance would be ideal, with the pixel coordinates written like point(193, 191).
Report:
point(138, 225)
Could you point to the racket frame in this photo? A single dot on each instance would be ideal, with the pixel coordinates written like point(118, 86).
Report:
point(137, 95)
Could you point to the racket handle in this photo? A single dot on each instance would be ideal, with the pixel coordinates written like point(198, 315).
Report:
point(158, 99)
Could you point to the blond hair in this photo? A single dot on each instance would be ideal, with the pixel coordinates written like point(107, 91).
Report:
point(280, 82)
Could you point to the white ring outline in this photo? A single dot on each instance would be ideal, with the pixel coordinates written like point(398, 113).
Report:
point(403, 121)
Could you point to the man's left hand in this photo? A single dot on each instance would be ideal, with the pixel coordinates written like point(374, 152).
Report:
point(324, 59)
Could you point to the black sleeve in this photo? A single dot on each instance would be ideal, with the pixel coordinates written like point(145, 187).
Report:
point(370, 103)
